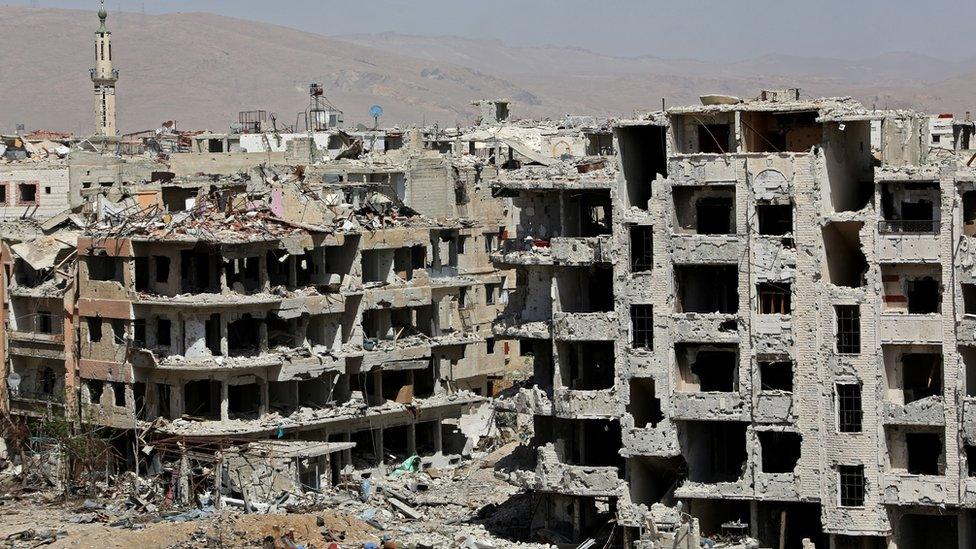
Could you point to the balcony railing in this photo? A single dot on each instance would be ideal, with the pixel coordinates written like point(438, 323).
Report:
point(909, 226)
point(36, 396)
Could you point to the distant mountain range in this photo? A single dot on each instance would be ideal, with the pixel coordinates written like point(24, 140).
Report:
point(202, 69)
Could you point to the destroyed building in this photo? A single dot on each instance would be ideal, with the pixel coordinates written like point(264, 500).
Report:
point(747, 321)
point(756, 317)
point(323, 311)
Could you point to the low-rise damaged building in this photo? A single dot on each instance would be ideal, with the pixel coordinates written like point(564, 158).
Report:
point(305, 303)
point(755, 319)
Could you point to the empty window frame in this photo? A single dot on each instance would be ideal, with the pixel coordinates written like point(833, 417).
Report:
point(164, 329)
point(139, 333)
point(971, 460)
point(94, 328)
point(910, 207)
point(27, 193)
point(103, 267)
point(704, 209)
point(969, 213)
point(707, 288)
point(969, 299)
point(850, 479)
point(780, 451)
point(774, 298)
point(848, 326)
point(925, 455)
point(641, 250)
point(850, 413)
point(642, 321)
point(776, 375)
point(921, 375)
point(924, 295)
point(45, 322)
point(775, 219)
point(714, 138)
point(715, 215)
point(162, 268)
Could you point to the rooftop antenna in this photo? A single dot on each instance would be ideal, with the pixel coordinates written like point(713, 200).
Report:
point(376, 112)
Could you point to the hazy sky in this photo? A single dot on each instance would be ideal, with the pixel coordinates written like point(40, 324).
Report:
point(702, 29)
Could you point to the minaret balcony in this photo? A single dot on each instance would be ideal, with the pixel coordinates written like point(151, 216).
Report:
point(104, 79)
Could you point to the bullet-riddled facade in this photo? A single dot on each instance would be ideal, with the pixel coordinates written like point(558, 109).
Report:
point(772, 330)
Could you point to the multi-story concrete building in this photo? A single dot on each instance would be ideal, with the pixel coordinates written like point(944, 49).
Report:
point(242, 309)
point(771, 337)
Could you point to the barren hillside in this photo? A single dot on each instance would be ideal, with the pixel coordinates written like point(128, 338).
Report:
point(201, 69)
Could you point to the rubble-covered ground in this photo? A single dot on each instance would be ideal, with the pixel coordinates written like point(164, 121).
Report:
point(466, 506)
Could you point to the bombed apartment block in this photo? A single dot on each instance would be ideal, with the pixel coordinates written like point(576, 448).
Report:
point(320, 319)
point(787, 294)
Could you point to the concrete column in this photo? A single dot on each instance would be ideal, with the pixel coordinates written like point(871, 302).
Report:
point(176, 399)
point(412, 439)
point(224, 402)
point(301, 331)
point(754, 519)
point(438, 437)
point(224, 345)
point(378, 444)
point(296, 392)
point(292, 271)
point(346, 454)
point(222, 275)
point(263, 279)
point(152, 400)
point(263, 338)
point(377, 396)
point(265, 397)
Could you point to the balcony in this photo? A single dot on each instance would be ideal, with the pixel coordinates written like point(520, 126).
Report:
point(581, 251)
point(577, 404)
point(553, 476)
point(524, 252)
point(906, 489)
point(926, 411)
point(740, 489)
point(910, 328)
point(515, 327)
point(909, 227)
point(700, 248)
point(908, 241)
point(585, 326)
point(660, 440)
point(709, 406)
point(718, 327)
point(35, 403)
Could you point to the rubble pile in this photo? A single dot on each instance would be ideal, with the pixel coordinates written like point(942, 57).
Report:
point(423, 502)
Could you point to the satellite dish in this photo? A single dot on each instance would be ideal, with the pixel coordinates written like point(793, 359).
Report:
point(13, 382)
point(376, 112)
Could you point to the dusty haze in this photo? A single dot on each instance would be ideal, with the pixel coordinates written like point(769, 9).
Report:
point(201, 69)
